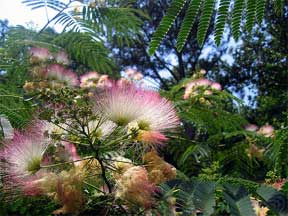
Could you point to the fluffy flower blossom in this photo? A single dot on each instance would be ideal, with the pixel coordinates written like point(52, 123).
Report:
point(61, 74)
point(191, 87)
point(62, 58)
point(89, 80)
point(159, 171)
point(266, 130)
point(135, 188)
point(100, 129)
point(142, 110)
point(251, 127)
point(121, 165)
point(94, 80)
point(39, 54)
point(22, 156)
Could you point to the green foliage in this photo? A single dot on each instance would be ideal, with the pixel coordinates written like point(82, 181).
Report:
point(28, 206)
point(251, 15)
point(85, 50)
point(237, 17)
point(276, 200)
point(252, 9)
point(166, 23)
point(278, 151)
point(188, 21)
point(221, 20)
point(205, 20)
point(260, 10)
point(238, 201)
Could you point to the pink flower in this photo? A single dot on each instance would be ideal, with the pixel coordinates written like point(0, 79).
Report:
point(251, 127)
point(104, 82)
point(216, 86)
point(39, 53)
point(89, 80)
point(134, 187)
point(67, 152)
point(120, 104)
point(61, 74)
point(146, 109)
point(151, 137)
point(266, 130)
point(21, 158)
point(191, 87)
point(62, 58)
point(130, 72)
point(123, 105)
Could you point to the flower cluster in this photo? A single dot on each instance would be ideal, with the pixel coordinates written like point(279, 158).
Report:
point(97, 117)
point(143, 112)
point(92, 80)
point(193, 87)
point(265, 130)
point(40, 54)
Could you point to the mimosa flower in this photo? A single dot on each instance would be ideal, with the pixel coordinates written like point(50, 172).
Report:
point(61, 74)
point(266, 131)
point(120, 104)
point(89, 80)
point(251, 127)
point(145, 112)
point(135, 188)
point(100, 129)
point(159, 171)
point(22, 156)
point(62, 58)
point(191, 88)
point(39, 54)
point(216, 86)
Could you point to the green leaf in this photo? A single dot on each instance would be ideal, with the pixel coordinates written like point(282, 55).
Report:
point(204, 197)
point(204, 23)
point(188, 22)
point(221, 20)
point(250, 15)
point(237, 17)
point(238, 200)
point(275, 200)
point(260, 9)
point(166, 23)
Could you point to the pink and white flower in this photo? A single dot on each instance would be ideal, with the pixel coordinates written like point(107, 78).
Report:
point(134, 187)
point(89, 80)
point(251, 127)
point(62, 58)
point(144, 108)
point(61, 74)
point(40, 54)
point(22, 156)
point(266, 130)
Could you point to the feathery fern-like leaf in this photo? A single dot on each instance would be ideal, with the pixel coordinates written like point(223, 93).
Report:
point(87, 50)
point(278, 6)
point(166, 23)
point(188, 22)
point(251, 12)
point(221, 20)
point(260, 9)
point(205, 19)
point(237, 17)
point(54, 4)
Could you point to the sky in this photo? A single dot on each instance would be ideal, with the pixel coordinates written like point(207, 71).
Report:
point(18, 13)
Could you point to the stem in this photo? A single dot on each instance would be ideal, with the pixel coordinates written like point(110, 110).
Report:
point(103, 170)
point(67, 162)
point(93, 186)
